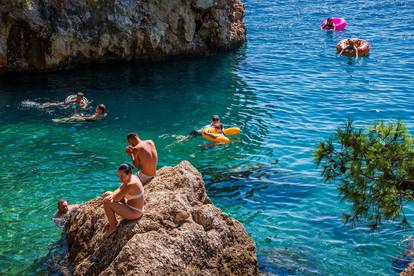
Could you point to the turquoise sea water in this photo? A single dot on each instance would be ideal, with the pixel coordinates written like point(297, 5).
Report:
point(285, 89)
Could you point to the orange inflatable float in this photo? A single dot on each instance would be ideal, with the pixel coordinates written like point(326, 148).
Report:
point(362, 46)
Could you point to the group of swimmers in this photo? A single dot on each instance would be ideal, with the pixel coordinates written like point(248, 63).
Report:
point(79, 102)
point(330, 25)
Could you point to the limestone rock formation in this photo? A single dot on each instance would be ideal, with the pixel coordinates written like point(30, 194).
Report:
point(181, 233)
point(409, 271)
point(41, 34)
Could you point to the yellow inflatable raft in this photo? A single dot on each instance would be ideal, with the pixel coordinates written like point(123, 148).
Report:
point(220, 138)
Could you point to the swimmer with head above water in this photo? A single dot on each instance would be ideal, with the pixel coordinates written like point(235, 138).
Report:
point(219, 130)
point(79, 100)
point(329, 24)
point(215, 123)
point(100, 113)
point(62, 214)
point(351, 46)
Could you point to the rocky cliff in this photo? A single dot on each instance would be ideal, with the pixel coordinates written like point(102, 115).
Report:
point(41, 34)
point(181, 233)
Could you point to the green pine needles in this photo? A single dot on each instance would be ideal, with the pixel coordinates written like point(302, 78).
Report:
point(375, 169)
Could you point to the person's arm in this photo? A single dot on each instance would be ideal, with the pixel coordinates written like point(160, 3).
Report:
point(107, 193)
point(120, 193)
point(58, 220)
point(135, 157)
point(83, 103)
point(211, 135)
point(334, 26)
point(356, 51)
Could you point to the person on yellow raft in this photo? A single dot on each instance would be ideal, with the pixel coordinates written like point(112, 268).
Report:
point(215, 131)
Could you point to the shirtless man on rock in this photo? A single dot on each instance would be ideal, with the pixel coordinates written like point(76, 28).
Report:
point(144, 157)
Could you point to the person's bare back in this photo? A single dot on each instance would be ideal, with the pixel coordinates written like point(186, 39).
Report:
point(144, 156)
point(146, 153)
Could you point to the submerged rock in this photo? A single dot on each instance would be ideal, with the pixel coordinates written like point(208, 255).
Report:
point(182, 232)
point(44, 34)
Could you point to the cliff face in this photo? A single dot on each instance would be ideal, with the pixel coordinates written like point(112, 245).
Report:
point(181, 233)
point(56, 33)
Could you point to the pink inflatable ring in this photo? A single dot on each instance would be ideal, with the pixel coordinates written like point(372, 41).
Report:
point(339, 23)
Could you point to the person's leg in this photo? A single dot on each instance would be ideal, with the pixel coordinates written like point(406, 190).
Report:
point(111, 218)
point(124, 211)
point(51, 104)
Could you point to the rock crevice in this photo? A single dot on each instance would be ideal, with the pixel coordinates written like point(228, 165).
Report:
point(182, 232)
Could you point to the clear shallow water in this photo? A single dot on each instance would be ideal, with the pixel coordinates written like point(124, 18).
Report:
point(286, 89)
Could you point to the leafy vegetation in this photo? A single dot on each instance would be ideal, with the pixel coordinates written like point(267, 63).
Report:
point(21, 3)
point(374, 168)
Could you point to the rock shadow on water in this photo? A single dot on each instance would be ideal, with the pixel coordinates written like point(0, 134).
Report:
point(259, 180)
point(55, 263)
point(284, 261)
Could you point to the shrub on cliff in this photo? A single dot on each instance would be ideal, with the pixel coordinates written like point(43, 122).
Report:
point(374, 168)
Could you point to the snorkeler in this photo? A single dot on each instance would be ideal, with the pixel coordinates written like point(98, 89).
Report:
point(78, 100)
point(100, 113)
point(62, 214)
point(144, 157)
point(351, 46)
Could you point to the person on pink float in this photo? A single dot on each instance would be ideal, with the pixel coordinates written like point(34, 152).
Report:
point(329, 24)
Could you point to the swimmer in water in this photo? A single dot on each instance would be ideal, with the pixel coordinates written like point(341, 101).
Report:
point(62, 214)
point(79, 100)
point(219, 128)
point(351, 47)
point(329, 25)
point(100, 113)
point(215, 122)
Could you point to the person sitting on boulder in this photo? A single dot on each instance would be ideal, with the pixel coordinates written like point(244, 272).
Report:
point(62, 214)
point(144, 157)
point(127, 201)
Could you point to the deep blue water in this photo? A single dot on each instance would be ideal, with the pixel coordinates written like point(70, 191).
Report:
point(286, 89)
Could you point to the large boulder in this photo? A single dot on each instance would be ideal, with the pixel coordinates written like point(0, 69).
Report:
point(41, 34)
point(181, 233)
